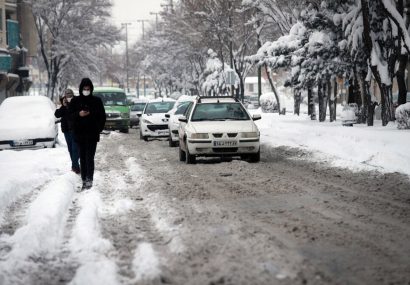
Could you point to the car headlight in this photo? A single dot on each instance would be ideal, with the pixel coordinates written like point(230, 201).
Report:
point(249, 135)
point(146, 121)
point(199, 136)
point(125, 115)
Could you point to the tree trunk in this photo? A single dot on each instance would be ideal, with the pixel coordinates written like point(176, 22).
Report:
point(297, 98)
point(387, 105)
point(273, 87)
point(332, 99)
point(366, 98)
point(323, 98)
point(401, 80)
point(311, 105)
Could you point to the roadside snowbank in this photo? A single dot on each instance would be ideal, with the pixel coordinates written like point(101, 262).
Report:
point(24, 171)
point(43, 227)
point(358, 148)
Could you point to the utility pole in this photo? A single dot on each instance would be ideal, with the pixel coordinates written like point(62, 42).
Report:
point(258, 31)
point(143, 38)
point(156, 19)
point(231, 44)
point(126, 52)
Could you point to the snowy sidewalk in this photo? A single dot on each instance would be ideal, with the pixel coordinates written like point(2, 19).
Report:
point(384, 149)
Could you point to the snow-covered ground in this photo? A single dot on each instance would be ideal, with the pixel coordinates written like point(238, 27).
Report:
point(384, 149)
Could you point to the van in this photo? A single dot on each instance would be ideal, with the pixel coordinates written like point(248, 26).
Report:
point(116, 108)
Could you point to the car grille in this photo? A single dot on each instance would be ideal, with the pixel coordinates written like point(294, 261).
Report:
point(154, 128)
point(232, 135)
point(112, 115)
point(225, 149)
point(217, 135)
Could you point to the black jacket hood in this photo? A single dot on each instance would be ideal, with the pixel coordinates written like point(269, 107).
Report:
point(86, 82)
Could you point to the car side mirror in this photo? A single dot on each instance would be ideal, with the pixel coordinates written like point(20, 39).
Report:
point(256, 117)
point(183, 119)
point(167, 116)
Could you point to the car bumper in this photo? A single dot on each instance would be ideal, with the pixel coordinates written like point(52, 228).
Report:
point(30, 144)
point(155, 130)
point(117, 124)
point(208, 148)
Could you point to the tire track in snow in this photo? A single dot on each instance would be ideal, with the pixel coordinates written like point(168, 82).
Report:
point(127, 222)
point(34, 256)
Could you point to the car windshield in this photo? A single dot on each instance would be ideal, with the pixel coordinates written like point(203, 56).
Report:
point(219, 112)
point(182, 108)
point(112, 98)
point(138, 107)
point(158, 107)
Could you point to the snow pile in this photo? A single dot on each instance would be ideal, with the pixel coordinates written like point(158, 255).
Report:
point(44, 226)
point(403, 116)
point(378, 148)
point(145, 263)
point(24, 171)
point(268, 103)
point(89, 247)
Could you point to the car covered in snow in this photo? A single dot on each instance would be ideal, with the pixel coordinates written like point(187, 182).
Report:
point(153, 122)
point(27, 122)
point(218, 126)
point(179, 110)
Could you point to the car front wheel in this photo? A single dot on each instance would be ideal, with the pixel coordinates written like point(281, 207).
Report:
point(171, 143)
point(190, 159)
point(255, 157)
point(182, 154)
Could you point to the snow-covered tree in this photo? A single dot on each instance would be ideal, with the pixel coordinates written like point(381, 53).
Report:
point(70, 31)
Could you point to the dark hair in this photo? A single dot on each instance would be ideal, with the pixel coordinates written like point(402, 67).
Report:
point(86, 82)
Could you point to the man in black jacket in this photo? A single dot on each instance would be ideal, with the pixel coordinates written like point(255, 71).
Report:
point(88, 114)
point(67, 128)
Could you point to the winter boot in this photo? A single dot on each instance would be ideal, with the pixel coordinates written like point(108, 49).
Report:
point(88, 184)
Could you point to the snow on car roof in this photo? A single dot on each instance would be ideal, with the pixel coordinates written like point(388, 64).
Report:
point(161, 100)
point(216, 99)
point(26, 117)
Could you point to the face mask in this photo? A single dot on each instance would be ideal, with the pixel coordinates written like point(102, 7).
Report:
point(86, 92)
point(69, 99)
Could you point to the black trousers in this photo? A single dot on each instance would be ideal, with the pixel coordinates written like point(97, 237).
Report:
point(87, 154)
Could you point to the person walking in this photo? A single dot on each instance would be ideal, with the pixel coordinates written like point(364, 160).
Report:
point(67, 129)
point(88, 114)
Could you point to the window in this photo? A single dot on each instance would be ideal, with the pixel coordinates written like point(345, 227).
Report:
point(219, 112)
point(251, 88)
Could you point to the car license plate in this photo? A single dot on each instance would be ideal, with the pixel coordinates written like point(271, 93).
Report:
point(225, 143)
point(162, 133)
point(23, 142)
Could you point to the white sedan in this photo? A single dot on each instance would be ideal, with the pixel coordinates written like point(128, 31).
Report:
point(173, 123)
point(153, 122)
point(27, 122)
point(218, 126)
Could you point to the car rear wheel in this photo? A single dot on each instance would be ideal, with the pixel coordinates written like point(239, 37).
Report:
point(182, 155)
point(125, 131)
point(171, 143)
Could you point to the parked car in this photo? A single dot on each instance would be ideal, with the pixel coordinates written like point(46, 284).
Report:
point(218, 126)
point(116, 108)
point(153, 122)
point(27, 122)
point(173, 115)
point(173, 123)
point(136, 110)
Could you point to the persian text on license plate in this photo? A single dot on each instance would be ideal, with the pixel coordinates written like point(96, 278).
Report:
point(23, 142)
point(225, 143)
point(162, 133)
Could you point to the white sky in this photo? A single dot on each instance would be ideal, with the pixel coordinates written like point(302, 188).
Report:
point(129, 11)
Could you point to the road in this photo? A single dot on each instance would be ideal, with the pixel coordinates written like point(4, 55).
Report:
point(285, 220)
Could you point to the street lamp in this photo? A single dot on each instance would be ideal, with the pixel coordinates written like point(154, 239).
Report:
point(126, 52)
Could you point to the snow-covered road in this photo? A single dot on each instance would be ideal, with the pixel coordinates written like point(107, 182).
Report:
point(151, 219)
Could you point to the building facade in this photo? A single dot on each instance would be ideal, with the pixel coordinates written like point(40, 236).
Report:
point(18, 44)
